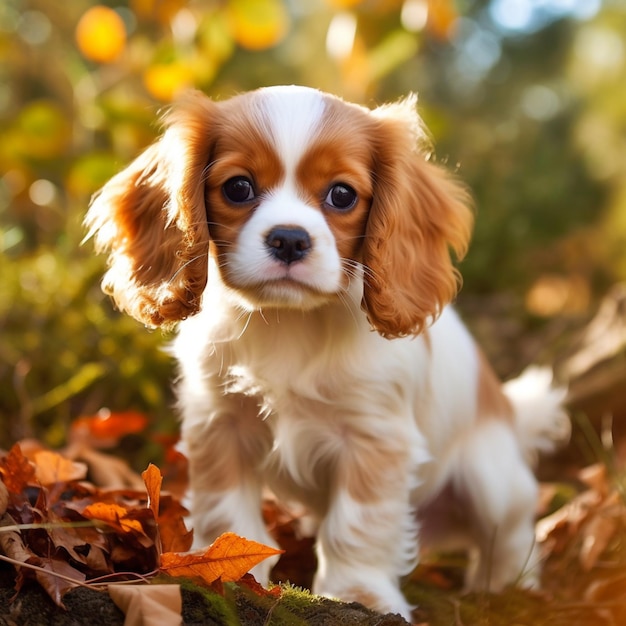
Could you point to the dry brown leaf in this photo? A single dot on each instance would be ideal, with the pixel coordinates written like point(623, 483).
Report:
point(106, 470)
point(596, 536)
point(17, 471)
point(174, 534)
point(148, 605)
point(569, 518)
point(152, 479)
point(595, 477)
point(41, 487)
point(84, 545)
point(227, 559)
point(250, 582)
point(57, 586)
point(11, 543)
point(51, 467)
point(4, 498)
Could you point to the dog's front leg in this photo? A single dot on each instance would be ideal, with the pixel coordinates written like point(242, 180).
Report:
point(226, 443)
point(368, 538)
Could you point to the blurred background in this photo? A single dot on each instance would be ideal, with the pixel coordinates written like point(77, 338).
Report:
point(525, 99)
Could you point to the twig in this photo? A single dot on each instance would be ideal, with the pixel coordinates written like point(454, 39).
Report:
point(18, 563)
point(140, 578)
point(268, 617)
point(94, 583)
point(46, 526)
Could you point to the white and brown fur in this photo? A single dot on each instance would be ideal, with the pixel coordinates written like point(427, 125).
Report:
point(337, 375)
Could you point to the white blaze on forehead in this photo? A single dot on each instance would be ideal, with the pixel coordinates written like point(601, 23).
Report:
point(292, 116)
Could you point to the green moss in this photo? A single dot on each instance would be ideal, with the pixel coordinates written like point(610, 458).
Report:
point(202, 605)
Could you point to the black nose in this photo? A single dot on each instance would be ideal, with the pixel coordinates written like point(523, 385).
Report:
point(288, 244)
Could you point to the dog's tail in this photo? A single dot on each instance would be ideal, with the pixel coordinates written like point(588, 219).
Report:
point(541, 421)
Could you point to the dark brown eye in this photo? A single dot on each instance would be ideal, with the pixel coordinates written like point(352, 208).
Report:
point(341, 197)
point(238, 190)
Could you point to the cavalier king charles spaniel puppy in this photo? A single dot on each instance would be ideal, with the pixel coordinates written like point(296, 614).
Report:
point(307, 247)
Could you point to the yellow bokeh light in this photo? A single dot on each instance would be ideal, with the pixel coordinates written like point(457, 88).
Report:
point(166, 81)
point(342, 4)
point(257, 24)
point(101, 34)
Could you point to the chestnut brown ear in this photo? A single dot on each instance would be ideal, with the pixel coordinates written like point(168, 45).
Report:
point(418, 215)
point(151, 220)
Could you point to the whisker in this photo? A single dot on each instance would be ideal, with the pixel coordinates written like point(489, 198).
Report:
point(189, 262)
point(207, 168)
point(347, 303)
point(225, 226)
point(351, 238)
point(224, 242)
point(247, 323)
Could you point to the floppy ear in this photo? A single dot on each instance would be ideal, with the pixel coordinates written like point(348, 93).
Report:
point(151, 220)
point(418, 215)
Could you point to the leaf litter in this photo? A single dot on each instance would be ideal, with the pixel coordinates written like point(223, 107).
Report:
point(60, 531)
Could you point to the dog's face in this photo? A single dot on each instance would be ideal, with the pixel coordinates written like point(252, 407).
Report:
point(288, 194)
point(296, 194)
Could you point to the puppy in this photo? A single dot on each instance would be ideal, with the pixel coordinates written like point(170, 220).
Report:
point(304, 244)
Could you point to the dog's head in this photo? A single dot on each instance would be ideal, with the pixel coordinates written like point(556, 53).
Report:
point(296, 194)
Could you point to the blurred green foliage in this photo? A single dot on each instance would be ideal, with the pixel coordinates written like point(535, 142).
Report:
point(526, 99)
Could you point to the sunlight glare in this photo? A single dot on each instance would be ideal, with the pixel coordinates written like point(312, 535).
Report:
point(414, 15)
point(340, 36)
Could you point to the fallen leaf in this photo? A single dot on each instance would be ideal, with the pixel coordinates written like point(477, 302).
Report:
point(174, 534)
point(70, 530)
point(57, 586)
point(148, 605)
point(569, 518)
point(106, 470)
point(51, 467)
point(596, 536)
point(11, 543)
point(4, 498)
point(175, 470)
point(249, 581)
point(17, 471)
point(47, 569)
point(84, 545)
point(595, 477)
point(228, 559)
point(114, 515)
point(152, 479)
point(105, 428)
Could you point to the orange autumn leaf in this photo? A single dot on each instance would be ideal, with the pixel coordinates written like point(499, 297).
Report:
point(17, 471)
point(152, 479)
point(107, 427)
point(114, 515)
point(174, 534)
point(51, 467)
point(227, 559)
